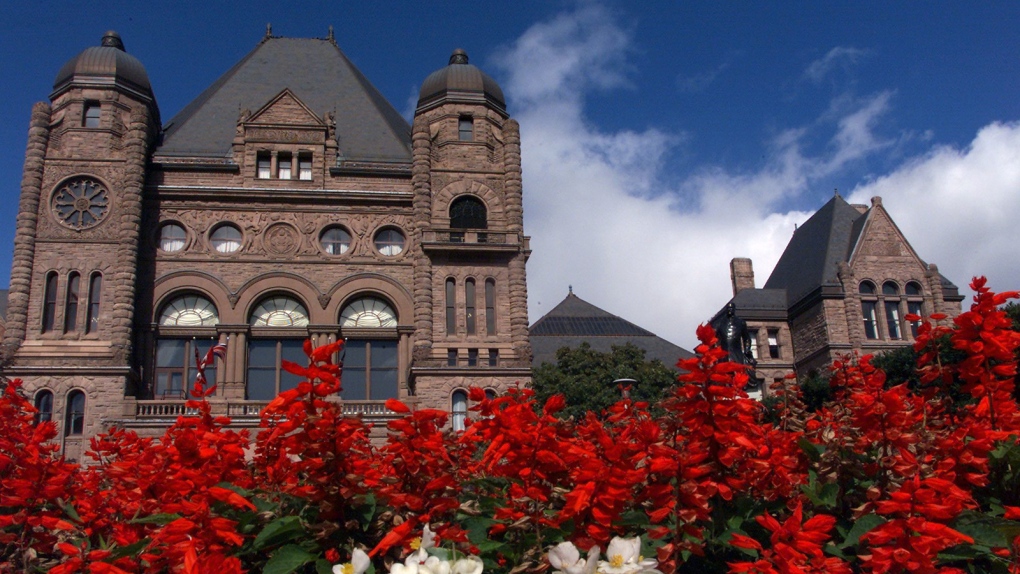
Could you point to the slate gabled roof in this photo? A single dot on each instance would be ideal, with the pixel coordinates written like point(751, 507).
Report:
point(812, 257)
point(575, 321)
point(368, 128)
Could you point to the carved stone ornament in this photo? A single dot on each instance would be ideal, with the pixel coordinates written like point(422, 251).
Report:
point(281, 239)
point(81, 203)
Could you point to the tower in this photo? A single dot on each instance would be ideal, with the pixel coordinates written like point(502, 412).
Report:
point(469, 274)
point(73, 289)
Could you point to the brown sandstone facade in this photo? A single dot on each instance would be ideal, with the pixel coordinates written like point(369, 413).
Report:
point(845, 283)
point(317, 212)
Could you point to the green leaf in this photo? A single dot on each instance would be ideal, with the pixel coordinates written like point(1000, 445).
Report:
point(861, 525)
point(812, 450)
point(367, 511)
point(129, 550)
point(161, 519)
point(323, 566)
point(985, 530)
point(279, 531)
point(69, 510)
point(287, 559)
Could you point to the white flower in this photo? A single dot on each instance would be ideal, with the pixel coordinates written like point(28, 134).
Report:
point(467, 565)
point(358, 564)
point(398, 568)
point(421, 546)
point(567, 559)
point(624, 557)
point(434, 565)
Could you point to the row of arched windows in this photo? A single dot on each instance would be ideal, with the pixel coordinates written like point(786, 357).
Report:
point(74, 414)
point(471, 305)
point(370, 364)
point(73, 292)
point(884, 312)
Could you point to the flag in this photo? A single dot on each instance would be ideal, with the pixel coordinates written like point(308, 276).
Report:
point(217, 350)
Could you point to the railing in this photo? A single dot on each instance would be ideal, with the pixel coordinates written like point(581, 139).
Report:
point(247, 409)
point(470, 237)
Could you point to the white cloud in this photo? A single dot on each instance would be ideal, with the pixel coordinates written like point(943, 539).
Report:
point(960, 208)
point(840, 56)
point(700, 82)
point(655, 247)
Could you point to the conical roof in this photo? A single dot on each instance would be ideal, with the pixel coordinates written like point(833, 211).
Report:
point(318, 73)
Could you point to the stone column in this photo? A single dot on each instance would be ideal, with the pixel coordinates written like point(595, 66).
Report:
point(128, 235)
point(512, 185)
point(24, 236)
point(421, 176)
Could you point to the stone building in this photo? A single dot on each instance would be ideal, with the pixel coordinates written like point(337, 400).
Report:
point(845, 282)
point(288, 201)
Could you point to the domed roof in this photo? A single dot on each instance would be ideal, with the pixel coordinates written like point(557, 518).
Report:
point(460, 81)
point(105, 64)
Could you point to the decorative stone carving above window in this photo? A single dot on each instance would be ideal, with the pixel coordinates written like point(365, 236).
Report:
point(81, 203)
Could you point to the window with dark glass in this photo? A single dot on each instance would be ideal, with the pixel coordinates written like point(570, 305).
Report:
point(915, 305)
point(451, 306)
point(95, 297)
point(468, 212)
point(283, 166)
point(459, 409)
point(370, 362)
point(451, 358)
point(305, 166)
point(263, 163)
point(74, 421)
point(370, 370)
point(335, 240)
point(469, 305)
point(868, 309)
point(891, 292)
point(389, 242)
point(43, 406)
point(90, 118)
point(175, 366)
point(466, 129)
point(49, 310)
point(493, 357)
point(490, 307)
point(472, 360)
point(71, 303)
point(773, 343)
point(268, 349)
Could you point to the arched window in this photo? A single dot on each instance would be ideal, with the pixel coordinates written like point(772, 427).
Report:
point(371, 357)
point(469, 305)
point(266, 352)
point(71, 302)
point(869, 306)
point(451, 306)
point(49, 309)
point(43, 406)
point(95, 296)
point(175, 353)
point(468, 212)
point(74, 421)
point(490, 307)
point(459, 410)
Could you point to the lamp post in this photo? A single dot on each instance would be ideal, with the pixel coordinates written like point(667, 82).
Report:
point(624, 385)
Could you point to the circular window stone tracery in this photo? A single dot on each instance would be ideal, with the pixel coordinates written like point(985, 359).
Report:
point(81, 203)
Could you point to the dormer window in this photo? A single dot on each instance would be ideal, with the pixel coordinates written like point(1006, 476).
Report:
point(283, 166)
point(90, 117)
point(263, 162)
point(466, 128)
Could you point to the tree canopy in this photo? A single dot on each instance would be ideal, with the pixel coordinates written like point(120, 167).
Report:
point(585, 378)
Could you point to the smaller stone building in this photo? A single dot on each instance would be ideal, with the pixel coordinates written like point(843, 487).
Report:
point(846, 282)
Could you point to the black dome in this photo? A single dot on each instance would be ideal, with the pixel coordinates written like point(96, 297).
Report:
point(106, 64)
point(462, 82)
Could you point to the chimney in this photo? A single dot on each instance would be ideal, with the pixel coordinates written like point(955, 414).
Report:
point(741, 274)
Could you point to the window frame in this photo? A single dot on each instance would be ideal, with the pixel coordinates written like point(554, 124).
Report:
point(451, 306)
point(458, 416)
point(774, 347)
point(74, 416)
point(387, 246)
point(284, 165)
point(490, 306)
point(71, 298)
point(91, 114)
point(263, 165)
point(470, 313)
point(49, 309)
point(304, 165)
point(328, 246)
point(220, 245)
point(465, 129)
point(43, 402)
point(163, 240)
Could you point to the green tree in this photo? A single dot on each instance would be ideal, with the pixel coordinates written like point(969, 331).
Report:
point(585, 378)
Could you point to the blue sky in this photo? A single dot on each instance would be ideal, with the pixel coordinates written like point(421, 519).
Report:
point(651, 129)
